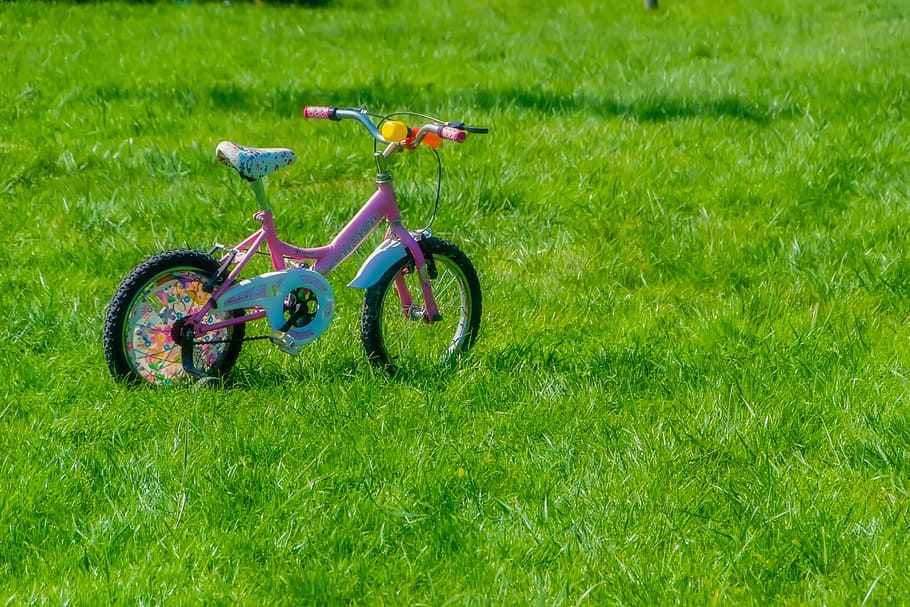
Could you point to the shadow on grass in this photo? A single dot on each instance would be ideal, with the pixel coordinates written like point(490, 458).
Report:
point(652, 108)
point(289, 101)
point(649, 108)
point(299, 3)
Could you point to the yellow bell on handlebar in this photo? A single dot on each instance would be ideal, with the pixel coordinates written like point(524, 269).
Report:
point(394, 130)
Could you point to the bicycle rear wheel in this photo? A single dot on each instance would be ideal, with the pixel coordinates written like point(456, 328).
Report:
point(159, 292)
point(395, 337)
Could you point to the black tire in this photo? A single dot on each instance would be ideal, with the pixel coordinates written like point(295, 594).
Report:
point(137, 341)
point(393, 339)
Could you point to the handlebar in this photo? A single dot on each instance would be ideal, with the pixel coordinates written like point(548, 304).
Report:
point(315, 111)
point(452, 134)
point(451, 131)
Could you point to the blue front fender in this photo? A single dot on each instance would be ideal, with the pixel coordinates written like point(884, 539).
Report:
point(387, 254)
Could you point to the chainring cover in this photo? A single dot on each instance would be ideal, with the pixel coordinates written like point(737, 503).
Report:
point(270, 292)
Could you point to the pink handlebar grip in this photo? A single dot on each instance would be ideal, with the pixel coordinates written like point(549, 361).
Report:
point(315, 111)
point(452, 134)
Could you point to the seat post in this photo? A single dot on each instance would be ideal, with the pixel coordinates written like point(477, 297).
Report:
point(261, 197)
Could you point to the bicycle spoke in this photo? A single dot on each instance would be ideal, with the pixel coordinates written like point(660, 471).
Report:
point(162, 357)
point(444, 287)
point(404, 334)
point(165, 355)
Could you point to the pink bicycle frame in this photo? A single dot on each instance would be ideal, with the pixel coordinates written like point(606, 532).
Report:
point(382, 206)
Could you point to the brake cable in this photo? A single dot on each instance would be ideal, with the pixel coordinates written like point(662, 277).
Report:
point(435, 153)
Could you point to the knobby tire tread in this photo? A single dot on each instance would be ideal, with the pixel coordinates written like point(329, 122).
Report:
point(371, 316)
point(124, 297)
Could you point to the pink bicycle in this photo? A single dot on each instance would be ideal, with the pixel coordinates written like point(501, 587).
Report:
point(183, 313)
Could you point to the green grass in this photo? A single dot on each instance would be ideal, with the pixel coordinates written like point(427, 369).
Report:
point(692, 379)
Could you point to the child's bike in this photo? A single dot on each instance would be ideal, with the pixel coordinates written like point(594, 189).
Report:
point(183, 313)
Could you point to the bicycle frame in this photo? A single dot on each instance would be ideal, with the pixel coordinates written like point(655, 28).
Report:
point(381, 206)
point(184, 312)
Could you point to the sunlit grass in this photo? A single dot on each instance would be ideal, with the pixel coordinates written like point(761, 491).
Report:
point(691, 381)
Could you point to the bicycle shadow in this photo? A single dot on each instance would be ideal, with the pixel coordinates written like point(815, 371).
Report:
point(263, 372)
point(655, 107)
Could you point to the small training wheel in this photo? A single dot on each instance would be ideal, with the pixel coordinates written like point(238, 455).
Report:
point(206, 382)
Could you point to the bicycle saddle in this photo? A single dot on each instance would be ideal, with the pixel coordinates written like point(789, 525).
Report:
point(253, 163)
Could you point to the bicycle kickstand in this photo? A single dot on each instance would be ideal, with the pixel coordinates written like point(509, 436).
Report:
point(189, 365)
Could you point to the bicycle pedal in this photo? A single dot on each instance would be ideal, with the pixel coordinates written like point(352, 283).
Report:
point(286, 343)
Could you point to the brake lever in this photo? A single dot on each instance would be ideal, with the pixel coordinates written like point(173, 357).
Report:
point(461, 126)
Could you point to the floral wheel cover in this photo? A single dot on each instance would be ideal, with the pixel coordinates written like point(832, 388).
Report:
point(150, 348)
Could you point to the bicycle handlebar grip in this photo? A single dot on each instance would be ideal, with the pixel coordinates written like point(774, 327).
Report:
point(315, 111)
point(452, 134)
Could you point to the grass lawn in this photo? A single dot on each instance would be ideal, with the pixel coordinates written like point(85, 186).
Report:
point(692, 381)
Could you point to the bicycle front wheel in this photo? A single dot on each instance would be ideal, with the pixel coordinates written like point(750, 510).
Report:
point(137, 337)
point(394, 332)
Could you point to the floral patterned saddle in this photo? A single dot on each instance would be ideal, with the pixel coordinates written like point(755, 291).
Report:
point(253, 163)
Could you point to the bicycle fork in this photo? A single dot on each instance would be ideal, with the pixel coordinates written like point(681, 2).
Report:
point(430, 313)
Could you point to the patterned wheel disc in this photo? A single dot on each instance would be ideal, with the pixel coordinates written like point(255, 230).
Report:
point(150, 348)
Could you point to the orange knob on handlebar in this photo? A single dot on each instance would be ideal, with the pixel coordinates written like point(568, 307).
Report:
point(433, 140)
